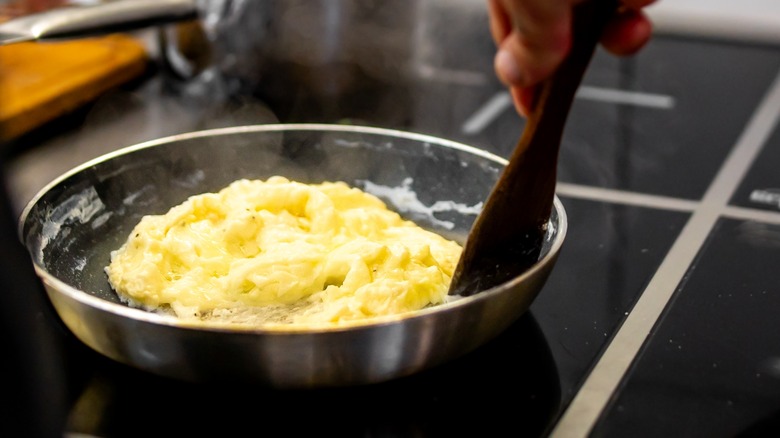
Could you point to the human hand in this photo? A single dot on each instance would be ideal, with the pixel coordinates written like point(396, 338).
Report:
point(534, 36)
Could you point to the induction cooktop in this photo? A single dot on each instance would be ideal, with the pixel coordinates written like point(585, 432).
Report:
point(660, 318)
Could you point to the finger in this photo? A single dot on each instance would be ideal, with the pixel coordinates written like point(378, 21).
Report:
point(541, 25)
point(636, 4)
point(627, 32)
point(499, 21)
point(538, 20)
point(539, 39)
point(523, 99)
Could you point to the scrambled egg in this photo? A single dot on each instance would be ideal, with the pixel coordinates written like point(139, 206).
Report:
point(279, 251)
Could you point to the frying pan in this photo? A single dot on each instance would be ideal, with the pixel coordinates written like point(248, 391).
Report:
point(71, 226)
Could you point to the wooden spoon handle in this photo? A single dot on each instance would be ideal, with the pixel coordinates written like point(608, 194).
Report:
point(507, 235)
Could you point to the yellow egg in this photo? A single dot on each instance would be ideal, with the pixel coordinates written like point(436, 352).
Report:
point(280, 251)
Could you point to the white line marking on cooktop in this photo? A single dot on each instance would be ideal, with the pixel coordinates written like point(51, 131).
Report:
point(622, 197)
point(635, 98)
point(659, 202)
point(590, 401)
point(487, 113)
point(770, 217)
point(497, 104)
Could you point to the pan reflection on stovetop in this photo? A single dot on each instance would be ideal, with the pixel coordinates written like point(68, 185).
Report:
point(509, 386)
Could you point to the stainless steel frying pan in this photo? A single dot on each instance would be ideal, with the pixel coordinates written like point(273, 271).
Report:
point(71, 226)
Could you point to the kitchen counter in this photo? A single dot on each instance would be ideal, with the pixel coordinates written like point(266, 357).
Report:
point(658, 320)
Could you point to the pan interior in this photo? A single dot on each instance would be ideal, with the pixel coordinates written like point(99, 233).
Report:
point(73, 225)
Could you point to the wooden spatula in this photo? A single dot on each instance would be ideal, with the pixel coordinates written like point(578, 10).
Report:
point(507, 236)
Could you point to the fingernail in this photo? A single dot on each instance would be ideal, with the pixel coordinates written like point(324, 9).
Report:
point(507, 68)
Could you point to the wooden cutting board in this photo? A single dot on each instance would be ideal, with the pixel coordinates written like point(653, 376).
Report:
point(40, 81)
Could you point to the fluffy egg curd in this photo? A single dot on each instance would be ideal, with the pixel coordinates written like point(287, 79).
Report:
point(282, 252)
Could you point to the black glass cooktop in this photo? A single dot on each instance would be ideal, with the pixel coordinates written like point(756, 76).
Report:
point(660, 318)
